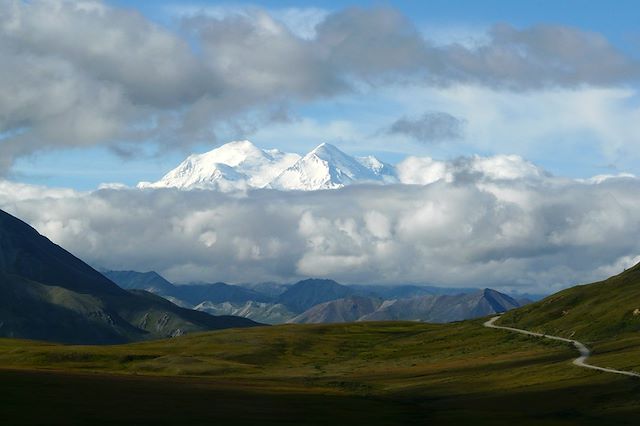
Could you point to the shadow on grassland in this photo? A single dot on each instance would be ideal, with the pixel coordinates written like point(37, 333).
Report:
point(34, 397)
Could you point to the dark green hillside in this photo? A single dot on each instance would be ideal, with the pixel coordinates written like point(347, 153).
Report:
point(46, 293)
point(592, 312)
point(27, 254)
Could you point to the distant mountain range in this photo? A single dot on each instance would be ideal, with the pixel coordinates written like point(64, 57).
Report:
point(443, 308)
point(46, 293)
point(187, 294)
point(268, 313)
point(321, 300)
point(241, 165)
point(309, 293)
point(348, 309)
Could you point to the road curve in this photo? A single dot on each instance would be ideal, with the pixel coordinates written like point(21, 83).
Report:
point(584, 351)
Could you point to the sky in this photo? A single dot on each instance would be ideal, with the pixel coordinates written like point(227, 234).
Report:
point(104, 92)
point(554, 127)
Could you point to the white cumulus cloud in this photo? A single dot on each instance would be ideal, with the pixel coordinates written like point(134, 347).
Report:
point(487, 221)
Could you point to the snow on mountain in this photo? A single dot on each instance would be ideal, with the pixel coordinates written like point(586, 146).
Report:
point(267, 313)
point(326, 167)
point(241, 165)
point(386, 171)
point(235, 165)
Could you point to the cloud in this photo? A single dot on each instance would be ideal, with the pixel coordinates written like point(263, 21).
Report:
point(431, 127)
point(537, 57)
point(527, 230)
point(16, 192)
point(424, 170)
point(301, 21)
point(84, 73)
point(550, 125)
point(370, 42)
point(257, 56)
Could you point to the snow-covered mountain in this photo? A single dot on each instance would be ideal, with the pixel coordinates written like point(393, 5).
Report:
point(241, 165)
point(235, 165)
point(326, 167)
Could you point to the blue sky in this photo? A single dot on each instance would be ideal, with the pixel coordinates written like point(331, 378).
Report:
point(497, 120)
point(617, 20)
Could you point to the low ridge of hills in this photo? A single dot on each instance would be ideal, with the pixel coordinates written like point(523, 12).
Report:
point(445, 308)
point(429, 308)
point(46, 293)
point(324, 301)
point(263, 312)
point(348, 309)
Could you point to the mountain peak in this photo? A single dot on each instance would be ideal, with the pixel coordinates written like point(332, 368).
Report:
point(245, 143)
point(236, 165)
point(326, 147)
point(329, 152)
point(499, 302)
point(239, 165)
point(232, 154)
point(307, 293)
point(327, 167)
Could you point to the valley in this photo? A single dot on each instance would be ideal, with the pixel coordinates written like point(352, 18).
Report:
point(380, 373)
point(315, 213)
point(351, 356)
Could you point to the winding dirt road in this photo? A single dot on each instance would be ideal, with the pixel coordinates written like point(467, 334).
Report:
point(584, 351)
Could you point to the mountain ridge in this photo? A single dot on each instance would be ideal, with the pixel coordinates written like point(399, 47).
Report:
point(327, 167)
point(193, 294)
point(322, 300)
point(240, 165)
point(47, 293)
point(429, 308)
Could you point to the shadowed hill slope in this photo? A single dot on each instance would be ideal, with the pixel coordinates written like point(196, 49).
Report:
point(47, 293)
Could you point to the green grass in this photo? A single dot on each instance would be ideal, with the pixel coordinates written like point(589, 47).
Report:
point(592, 312)
point(604, 315)
point(362, 373)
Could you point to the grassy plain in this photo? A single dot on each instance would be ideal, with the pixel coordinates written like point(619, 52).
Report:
point(362, 373)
